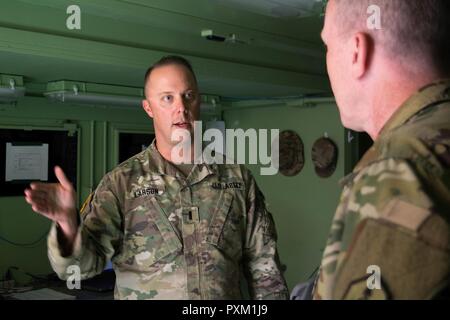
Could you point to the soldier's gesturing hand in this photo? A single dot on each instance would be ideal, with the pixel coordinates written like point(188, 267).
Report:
point(56, 201)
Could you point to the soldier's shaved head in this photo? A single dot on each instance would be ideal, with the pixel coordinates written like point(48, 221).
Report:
point(417, 31)
point(165, 61)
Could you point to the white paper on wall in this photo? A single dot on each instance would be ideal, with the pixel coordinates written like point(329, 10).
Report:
point(26, 162)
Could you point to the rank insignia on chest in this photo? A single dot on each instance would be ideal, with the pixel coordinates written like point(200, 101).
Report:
point(227, 185)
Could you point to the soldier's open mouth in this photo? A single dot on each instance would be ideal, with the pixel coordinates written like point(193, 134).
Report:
point(182, 125)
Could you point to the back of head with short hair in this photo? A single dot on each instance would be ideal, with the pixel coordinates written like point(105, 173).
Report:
point(411, 30)
point(169, 60)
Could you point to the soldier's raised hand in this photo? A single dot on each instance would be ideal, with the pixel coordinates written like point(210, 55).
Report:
point(56, 201)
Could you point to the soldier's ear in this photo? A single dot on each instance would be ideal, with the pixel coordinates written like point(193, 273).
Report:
point(147, 108)
point(361, 48)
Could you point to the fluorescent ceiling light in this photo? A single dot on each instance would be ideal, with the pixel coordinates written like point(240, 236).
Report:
point(11, 88)
point(111, 95)
point(94, 99)
point(94, 94)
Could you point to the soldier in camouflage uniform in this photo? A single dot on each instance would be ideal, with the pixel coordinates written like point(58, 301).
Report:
point(394, 210)
point(174, 232)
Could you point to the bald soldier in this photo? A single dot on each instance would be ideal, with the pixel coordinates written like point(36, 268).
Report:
point(172, 231)
point(390, 235)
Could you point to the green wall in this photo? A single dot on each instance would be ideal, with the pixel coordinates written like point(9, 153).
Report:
point(303, 205)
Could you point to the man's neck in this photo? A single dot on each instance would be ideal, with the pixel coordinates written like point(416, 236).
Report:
point(166, 153)
point(390, 97)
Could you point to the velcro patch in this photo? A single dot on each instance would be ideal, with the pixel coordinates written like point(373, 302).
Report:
point(405, 214)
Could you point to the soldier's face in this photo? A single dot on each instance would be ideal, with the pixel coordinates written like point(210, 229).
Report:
point(172, 101)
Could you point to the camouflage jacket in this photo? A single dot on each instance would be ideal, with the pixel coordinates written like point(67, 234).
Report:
point(172, 237)
point(390, 235)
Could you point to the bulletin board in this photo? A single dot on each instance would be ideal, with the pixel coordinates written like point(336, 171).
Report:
point(31, 155)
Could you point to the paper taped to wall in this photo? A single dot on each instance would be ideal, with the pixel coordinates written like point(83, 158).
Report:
point(26, 162)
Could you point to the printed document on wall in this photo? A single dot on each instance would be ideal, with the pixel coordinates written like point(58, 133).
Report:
point(26, 162)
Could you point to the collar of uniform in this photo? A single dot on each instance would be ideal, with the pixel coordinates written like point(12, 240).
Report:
point(370, 156)
point(201, 171)
point(158, 164)
point(161, 166)
point(429, 95)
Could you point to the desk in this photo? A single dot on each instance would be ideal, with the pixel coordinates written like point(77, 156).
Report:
point(94, 293)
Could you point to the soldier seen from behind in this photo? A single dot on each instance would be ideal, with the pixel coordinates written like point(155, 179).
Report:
point(390, 235)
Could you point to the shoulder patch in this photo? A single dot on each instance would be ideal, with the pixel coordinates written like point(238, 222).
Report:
point(405, 214)
point(87, 202)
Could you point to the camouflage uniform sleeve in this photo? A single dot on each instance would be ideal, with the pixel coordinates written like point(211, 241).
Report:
point(261, 262)
point(98, 237)
point(396, 234)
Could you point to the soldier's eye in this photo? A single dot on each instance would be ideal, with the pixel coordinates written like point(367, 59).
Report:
point(167, 98)
point(189, 96)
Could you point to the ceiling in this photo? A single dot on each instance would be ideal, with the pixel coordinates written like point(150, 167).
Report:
point(277, 8)
point(279, 55)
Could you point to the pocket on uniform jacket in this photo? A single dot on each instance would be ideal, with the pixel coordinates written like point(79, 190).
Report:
point(149, 236)
point(225, 227)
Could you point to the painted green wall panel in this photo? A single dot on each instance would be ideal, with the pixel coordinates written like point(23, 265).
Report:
point(19, 224)
point(302, 206)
